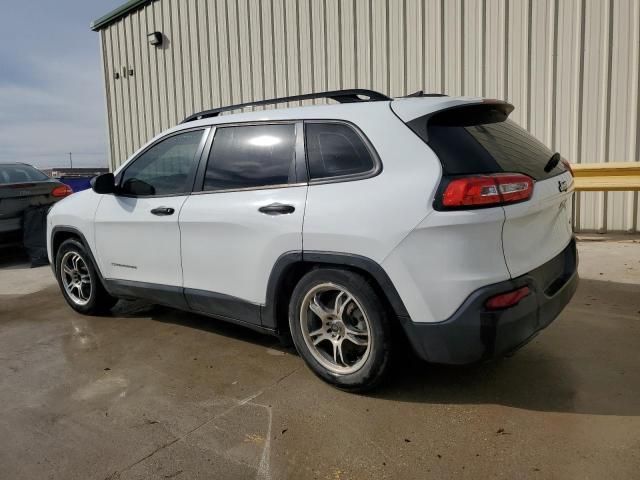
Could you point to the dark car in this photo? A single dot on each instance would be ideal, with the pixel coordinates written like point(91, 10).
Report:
point(24, 188)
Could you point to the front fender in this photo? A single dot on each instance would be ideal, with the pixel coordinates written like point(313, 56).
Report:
point(76, 212)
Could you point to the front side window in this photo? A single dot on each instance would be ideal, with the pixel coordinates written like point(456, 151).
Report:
point(251, 156)
point(336, 150)
point(164, 169)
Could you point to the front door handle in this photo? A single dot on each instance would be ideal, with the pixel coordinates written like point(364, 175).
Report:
point(162, 211)
point(277, 209)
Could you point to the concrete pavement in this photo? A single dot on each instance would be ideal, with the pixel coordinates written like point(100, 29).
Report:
point(151, 392)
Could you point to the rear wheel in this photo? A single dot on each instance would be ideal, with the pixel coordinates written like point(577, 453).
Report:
point(340, 328)
point(79, 281)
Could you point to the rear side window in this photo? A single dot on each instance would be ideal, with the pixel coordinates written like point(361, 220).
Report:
point(477, 139)
point(20, 174)
point(251, 156)
point(336, 150)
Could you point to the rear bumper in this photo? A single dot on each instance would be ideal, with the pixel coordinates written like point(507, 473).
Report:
point(474, 333)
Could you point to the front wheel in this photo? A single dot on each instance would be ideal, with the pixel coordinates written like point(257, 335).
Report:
point(79, 281)
point(340, 328)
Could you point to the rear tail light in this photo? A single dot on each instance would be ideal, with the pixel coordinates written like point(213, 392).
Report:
point(487, 190)
point(62, 191)
point(506, 300)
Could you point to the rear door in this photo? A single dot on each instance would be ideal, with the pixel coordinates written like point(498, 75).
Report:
point(248, 213)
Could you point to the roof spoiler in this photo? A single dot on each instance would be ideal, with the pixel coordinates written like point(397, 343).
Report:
point(467, 114)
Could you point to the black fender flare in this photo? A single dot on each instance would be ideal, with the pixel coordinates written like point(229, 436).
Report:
point(290, 259)
point(83, 240)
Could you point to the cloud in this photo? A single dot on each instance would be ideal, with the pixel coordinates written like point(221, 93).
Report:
point(51, 85)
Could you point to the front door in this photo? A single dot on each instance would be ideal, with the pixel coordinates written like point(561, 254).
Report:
point(248, 213)
point(136, 230)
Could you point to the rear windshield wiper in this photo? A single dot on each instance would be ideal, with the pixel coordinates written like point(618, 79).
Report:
point(552, 163)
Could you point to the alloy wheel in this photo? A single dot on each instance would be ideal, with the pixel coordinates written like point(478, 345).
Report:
point(75, 277)
point(335, 328)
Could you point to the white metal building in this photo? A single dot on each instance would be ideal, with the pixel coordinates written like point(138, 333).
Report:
point(571, 67)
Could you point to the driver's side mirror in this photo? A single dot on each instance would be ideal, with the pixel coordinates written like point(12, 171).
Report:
point(104, 183)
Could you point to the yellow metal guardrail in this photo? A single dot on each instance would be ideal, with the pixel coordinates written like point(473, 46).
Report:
point(609, 177)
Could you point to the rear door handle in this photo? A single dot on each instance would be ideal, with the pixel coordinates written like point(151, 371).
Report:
point(162, 211)
point(277, 209)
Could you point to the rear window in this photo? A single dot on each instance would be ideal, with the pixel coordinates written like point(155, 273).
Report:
point(336, 150)
point(478, 139)
point(20, 174)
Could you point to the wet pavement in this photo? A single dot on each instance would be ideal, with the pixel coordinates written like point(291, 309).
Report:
point(151, 392)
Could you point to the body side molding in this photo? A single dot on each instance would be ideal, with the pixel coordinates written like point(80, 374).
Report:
point(221, 305)
point(168, 295)
point(215, 305)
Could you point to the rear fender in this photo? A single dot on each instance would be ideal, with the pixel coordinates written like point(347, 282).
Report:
point(297, 263)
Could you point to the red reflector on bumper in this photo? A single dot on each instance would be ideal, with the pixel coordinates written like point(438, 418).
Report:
point(506, 300)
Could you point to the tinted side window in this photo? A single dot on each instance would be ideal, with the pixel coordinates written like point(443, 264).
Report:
point(335, 149)
point(165, 169)
point(251, 156)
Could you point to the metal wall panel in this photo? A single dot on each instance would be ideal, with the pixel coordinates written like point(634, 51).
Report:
point(473, 65)
point(623, 91)
point(571, 67)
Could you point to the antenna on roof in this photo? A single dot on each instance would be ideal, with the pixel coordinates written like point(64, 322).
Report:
point(420, 93)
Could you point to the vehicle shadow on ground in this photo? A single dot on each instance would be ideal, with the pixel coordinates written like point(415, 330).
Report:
point(542, 385)
point(135, 308)
point(583, 363)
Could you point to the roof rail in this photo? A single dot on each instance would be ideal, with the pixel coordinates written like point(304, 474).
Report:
point(342, 96)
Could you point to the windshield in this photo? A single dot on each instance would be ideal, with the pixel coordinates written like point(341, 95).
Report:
point(18, 173)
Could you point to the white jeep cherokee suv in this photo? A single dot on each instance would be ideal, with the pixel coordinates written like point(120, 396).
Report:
point(332, 223)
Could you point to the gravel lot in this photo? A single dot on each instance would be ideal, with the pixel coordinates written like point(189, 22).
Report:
point(151, 392)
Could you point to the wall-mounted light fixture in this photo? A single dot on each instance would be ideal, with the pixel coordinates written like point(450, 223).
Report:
point(155, 39)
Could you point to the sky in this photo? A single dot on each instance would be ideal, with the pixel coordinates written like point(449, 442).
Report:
point(52, 99)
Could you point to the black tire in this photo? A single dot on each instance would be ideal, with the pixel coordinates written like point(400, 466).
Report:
point(372, 371)
point(98, 300)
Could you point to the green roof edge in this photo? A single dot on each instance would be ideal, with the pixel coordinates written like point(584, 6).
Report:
point(116, 14)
